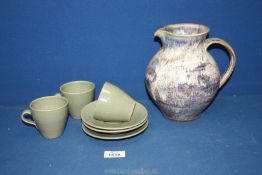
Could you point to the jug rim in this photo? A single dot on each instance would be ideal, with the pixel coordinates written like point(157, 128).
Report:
point(204, 29)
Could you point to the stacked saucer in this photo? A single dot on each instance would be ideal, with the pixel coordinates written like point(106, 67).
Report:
point(114, 130)
point(114, 115)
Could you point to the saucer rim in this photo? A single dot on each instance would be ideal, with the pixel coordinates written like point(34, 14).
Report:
point(113, 136)
point(115, 131)
point(111, 128)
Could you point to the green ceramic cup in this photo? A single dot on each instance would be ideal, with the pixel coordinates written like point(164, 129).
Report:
point(114, 105)
point(49, 115)
point(78, 94)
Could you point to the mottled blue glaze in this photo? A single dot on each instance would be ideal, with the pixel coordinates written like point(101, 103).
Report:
point(182, 78)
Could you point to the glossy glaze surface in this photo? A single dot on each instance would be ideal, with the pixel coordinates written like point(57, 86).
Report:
point(140, 114)
point(78, 94)
point(49, 115)
point(114, 105)
point(117, 136)
point(183, 78)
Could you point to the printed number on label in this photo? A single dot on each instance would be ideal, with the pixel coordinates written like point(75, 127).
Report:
point(114, 154)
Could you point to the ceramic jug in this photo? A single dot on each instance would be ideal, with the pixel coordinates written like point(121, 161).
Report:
point(183, 78)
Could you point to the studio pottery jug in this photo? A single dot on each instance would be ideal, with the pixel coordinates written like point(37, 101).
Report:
point(183, 78)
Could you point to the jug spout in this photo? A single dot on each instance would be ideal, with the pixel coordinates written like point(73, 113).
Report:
point(162, 35)
point(159, 32)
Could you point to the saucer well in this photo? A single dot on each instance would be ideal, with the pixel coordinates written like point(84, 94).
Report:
point(139, 116)
point(106, 136)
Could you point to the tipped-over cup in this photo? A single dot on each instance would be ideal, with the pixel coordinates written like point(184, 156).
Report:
point(114, 105)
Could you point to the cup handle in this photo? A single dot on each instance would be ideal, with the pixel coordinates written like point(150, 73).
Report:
point(26, 120)
point(227, 74)
point(58, 94)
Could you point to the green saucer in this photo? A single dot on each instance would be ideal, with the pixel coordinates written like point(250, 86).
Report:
point(106, 136)
point(114, 131)
point(139, 116)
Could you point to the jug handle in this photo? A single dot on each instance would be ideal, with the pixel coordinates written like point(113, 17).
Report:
point(227, 74)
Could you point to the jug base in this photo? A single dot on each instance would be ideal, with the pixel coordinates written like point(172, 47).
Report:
point(187, 119)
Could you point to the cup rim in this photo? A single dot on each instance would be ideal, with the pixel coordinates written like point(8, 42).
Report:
point(75, 82)
point(187, 25)
point(48, 97)
point(98, 101)
point(102, 91)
